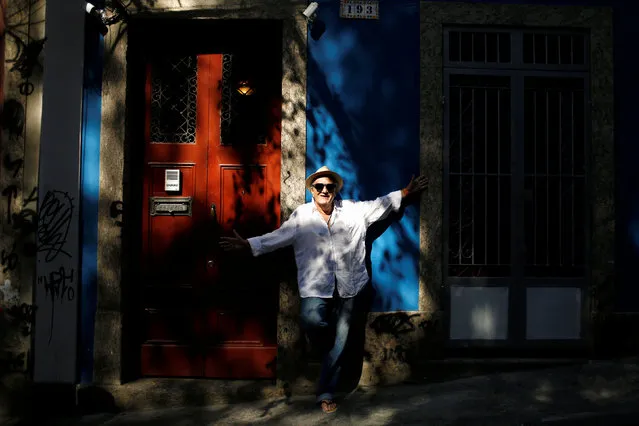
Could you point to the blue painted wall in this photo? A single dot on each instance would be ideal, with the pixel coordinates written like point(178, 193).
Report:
point(363, 122)
point(89, 192)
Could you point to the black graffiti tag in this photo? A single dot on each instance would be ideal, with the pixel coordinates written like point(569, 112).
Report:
point(33, 197)
point(14, 165)
point(11, 192)
point(394, 324)
point(22, 316)
point(398, 353)
point(53, 224)
point(9, 260)
point(58, 287)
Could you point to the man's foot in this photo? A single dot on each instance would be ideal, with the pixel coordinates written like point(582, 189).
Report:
point(328, 406)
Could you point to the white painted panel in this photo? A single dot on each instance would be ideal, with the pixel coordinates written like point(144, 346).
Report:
point(553, 313)
point(478, 313)
point(56, 289)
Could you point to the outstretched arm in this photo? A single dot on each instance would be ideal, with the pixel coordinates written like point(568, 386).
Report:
point(381, 207)
point(236, 243)
point(281, 237)
point(415, 187)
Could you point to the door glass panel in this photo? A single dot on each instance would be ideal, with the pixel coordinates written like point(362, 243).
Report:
point(174, 99)
point(244, 115)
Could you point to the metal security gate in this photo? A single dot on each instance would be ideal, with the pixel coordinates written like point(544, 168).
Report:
point(516, 205)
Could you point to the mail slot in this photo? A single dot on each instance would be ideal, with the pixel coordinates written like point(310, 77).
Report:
point(171, 206)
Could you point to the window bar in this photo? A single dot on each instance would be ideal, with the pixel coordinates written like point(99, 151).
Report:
point(572, 168)
point(559, 49)
point(547, 175)
point(572, 50)
point(499, 176)
point(498, 53)
point(534, 48)
point(459, 42)
point(546, 53)
point(485, 48)
point(472, 177)
point(459, 181)
point(561, 238)
point(535, 116)
point(486, 92)
point(472, 47)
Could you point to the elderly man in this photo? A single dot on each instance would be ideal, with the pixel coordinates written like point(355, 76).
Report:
point(328, 237)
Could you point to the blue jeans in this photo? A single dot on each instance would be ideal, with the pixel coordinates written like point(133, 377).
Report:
point(320, 318)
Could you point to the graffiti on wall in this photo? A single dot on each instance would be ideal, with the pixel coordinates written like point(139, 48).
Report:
point(26, 50)
point(18, 198)
point(396, 334)
point(22, 219)
point(394, 324)
point(54, 221)
point(26, 60)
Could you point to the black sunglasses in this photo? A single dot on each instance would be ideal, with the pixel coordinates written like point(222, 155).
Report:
point(319, 187)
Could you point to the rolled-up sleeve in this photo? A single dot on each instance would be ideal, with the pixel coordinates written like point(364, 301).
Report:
point(281, 237)
point(381, 207)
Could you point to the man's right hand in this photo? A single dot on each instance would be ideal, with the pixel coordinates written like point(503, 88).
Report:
point(236, 243)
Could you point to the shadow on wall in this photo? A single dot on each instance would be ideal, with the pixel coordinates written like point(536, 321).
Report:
point(363, 122)
point(177, 262)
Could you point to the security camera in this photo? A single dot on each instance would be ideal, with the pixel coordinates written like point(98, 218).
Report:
point(112, 13)
point(98, 17)
point(310, 11)
point(94, 11)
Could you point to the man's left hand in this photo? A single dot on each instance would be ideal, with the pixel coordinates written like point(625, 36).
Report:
point(415, 186)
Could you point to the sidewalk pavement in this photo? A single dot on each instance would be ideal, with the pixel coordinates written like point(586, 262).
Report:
point(598, 392)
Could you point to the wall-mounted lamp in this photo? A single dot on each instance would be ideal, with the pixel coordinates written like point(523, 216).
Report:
point(112, 13)
point(244, 88)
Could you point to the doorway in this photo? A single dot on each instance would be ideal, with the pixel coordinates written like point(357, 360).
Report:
point(211, 165)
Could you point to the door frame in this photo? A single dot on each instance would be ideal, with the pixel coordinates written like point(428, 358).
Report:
point(121, 154)
point(597, 21)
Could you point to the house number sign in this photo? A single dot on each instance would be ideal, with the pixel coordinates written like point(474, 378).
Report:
point(359, 9)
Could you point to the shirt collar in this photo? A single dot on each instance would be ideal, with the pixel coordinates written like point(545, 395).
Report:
point(337, 205)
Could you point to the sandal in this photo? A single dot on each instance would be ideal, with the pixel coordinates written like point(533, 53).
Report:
point(328, 406)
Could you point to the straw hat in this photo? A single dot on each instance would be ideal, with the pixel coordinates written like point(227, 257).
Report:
point(322, 172)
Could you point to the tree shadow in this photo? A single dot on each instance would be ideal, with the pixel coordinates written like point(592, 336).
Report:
point(180, 278)
point(365, 126)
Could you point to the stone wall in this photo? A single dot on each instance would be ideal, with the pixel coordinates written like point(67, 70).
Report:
point(396, 343)
point(23, 30)
point(113, 276)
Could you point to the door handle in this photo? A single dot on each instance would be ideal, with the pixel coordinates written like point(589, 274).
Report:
point(214, 211)
point(210, 263)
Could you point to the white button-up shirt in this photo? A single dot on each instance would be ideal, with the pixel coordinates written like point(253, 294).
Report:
point(331, 252)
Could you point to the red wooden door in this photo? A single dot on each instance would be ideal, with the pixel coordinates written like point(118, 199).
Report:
point(207, 313)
